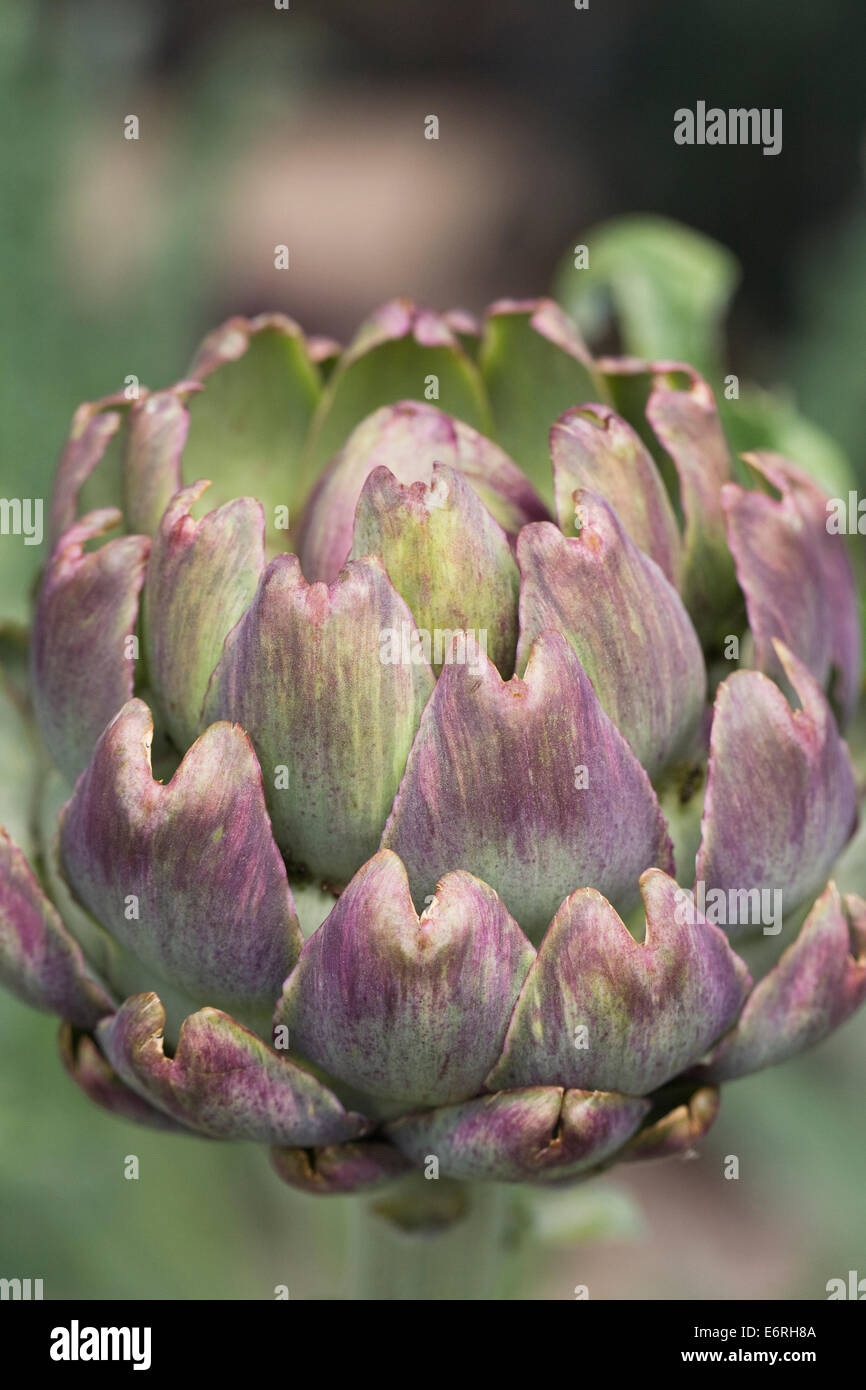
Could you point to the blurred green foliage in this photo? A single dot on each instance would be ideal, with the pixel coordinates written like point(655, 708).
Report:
point(823, 355)
point(60, 71)
point(665, 290)
point(668, 286)
point(203, 1220)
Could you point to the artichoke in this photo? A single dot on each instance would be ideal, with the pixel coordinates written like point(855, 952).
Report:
point(403, 812)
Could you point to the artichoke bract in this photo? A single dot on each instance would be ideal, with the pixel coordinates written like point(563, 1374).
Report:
point(439, 713)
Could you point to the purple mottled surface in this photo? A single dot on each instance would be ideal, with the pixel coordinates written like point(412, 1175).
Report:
point(93, 427)
point(535, 1134)
point(340, 1168)
point(155, 436)
point(529, 785)
point(781, 801)
point(82, 663)
point(40, 962)
point(201, 578)
point(599, 1011)
point(592, 447)
point(410, 1012)
point(818, 982)
point(331, 721)
point(222, 1079)
point(187, 876)
point(624, 620)
point(796, 576)
point(94, 1075)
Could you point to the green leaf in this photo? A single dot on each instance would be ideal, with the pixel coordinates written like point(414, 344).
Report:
point(667, 285)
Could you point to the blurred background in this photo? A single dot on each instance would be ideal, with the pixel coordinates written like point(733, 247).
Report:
point(305, 127)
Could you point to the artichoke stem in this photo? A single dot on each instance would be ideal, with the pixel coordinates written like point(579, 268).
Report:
point(436, 1240)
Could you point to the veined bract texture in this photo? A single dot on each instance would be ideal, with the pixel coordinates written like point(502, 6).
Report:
point(433, 723)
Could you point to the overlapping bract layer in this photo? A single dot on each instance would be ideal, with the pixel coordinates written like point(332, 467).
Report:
point(448, 1035)
point(454, 723)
